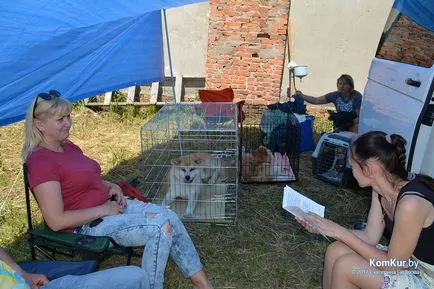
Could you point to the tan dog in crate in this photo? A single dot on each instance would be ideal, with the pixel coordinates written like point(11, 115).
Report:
point(188, 174)
point(257, 165)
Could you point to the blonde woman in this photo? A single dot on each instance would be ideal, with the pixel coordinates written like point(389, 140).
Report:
point(73, 197)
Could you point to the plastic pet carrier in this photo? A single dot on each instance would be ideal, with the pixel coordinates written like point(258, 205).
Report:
point(330, 160)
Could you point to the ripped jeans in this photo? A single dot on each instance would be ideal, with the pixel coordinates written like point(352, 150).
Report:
point(143, 224)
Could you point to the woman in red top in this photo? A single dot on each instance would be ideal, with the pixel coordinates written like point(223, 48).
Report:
point(71, 194)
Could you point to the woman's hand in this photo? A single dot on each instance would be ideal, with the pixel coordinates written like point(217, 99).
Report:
point(306, 225)
point(116, 191)
point(35, 280)
point(110, 208)
point(297, 93)
point(328, 227)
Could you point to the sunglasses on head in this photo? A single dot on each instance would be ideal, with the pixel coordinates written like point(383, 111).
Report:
point(46, 96)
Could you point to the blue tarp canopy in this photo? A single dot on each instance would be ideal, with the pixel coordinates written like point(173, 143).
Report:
point(421, 11)
point(80, 48)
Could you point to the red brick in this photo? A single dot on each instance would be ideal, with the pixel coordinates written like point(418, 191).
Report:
point(236, 23)
point(408, 42)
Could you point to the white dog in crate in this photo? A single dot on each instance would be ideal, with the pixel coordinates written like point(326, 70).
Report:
point(188, 174)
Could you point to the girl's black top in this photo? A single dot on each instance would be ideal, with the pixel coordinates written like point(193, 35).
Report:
point(424, 250)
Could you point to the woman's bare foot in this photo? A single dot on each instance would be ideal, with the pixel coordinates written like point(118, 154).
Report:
point(200, 281)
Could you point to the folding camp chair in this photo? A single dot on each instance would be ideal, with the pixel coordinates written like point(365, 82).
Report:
point(50, 243)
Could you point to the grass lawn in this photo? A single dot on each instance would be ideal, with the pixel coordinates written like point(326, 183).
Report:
point(264, 248)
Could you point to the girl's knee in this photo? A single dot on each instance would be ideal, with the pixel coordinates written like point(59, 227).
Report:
point(344, 265)
point(337, 249)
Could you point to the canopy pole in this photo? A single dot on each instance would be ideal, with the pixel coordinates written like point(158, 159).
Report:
point(173, 83)
point(169, 55)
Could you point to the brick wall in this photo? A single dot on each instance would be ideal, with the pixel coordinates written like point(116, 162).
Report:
point(246, 48)
point(408, 42)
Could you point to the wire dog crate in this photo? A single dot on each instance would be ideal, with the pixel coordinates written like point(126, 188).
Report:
point(330, 160)
point(270, 145)
point(190, 160)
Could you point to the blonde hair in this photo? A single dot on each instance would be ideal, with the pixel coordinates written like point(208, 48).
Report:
point(44, 110)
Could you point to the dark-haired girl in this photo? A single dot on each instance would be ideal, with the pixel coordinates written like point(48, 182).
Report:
point(404, 207)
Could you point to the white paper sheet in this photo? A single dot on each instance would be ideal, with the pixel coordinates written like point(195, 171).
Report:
point(300, 205)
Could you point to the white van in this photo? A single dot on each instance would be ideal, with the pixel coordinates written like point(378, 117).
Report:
point(398, 97)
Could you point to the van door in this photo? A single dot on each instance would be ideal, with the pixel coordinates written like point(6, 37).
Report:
point(398, 97)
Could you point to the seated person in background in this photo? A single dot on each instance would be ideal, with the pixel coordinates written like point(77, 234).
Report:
point(71, 194)
point(404, 208)
point(347, 101)
point(13, 277)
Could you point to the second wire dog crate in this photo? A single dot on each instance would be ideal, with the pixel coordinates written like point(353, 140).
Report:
point(270, 145)
point(190, 160)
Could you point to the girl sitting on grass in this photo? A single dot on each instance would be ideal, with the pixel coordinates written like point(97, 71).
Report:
point(404, 207)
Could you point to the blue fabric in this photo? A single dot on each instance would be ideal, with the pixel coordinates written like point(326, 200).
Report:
point(56, 269)
point(307, 143)
point(296, 106)
point(421, 11)
point(130, 277)
point(80, 48)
